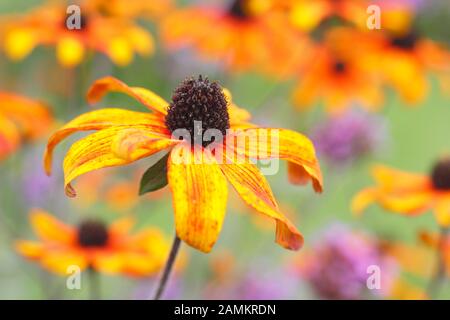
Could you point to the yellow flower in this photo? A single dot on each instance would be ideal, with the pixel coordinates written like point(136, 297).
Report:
point(93, 245)
point(21, 119)
point(130, 8)
point(199, 183)
point(115, 37)
point(409, 194)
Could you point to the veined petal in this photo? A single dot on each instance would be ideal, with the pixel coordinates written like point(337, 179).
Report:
point(199, 196)
point(151, 100)
point(101, 119)
point(261, 143)
point(48, 228)
point(255, 191)
point(105, 149)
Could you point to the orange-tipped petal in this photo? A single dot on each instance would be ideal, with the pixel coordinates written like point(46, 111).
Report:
point(283, 144)
point(107, 84)
point(255, 191)
point(48, 228)
point(199, 196)
point(101, 119)
point(105, 148)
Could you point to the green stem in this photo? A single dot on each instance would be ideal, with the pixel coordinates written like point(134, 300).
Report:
point(94, 284)
point(168, 268)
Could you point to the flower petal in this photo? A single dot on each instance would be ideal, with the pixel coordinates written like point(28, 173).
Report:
point(391, 179)
point(442, 211)
point(363, 199)
point(255, 191)
point(48, 228)
point(199, 196)
point(110, 147)
point(61, 261)
point(407, 203)
point(29, 249)
point(101, 119)
point(283, 144)
point(144, 96)
point(9, 137)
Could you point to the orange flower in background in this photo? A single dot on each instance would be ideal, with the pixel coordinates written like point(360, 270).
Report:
point(198, 184)
point(117, 38)
point(92, 244)
point(441, 243)
point(130, 8)
point(21, 119)
point(244, 35)
point(405, 59)
point(340, 75)
point(408, 193)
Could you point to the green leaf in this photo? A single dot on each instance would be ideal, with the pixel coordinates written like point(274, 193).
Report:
point(155, 177)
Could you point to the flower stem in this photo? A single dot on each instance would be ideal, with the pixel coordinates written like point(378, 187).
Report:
point(437, 279)
point(168, 268)
point(94, 284)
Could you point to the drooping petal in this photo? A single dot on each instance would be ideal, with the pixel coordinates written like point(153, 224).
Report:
point(255, 191)
point(48, 228)
point(107, 84)
point(261, 143)
point(114, 146)
point(199, 196)
point(101, 119)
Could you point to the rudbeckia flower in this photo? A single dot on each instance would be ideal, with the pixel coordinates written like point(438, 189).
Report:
point(408, 193)
point(196, 173)
point(117, 38)
point(242, 36)
point(406, 58)
point(92, 244)
point(338, 74)
point(21, 119)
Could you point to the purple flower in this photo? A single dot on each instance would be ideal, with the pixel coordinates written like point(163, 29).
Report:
point(340, 263)
point(254, 283)
point(346, 138)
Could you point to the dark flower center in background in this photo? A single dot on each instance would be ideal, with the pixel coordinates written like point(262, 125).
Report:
point(238, 10)
point(92, 234)
point(198, 100)
point(406, 42)
point(440, 175)
point(339, 67)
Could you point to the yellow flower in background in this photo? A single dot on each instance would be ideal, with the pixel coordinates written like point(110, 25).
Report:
point(408, 193)
point(245, 35)
point(199, 184)
point(117, 38)
point(109, 249)
point(339, 74)
point(21, 119)
point(308, 15)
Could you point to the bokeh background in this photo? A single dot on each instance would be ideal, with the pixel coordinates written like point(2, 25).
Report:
point(245, 263)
